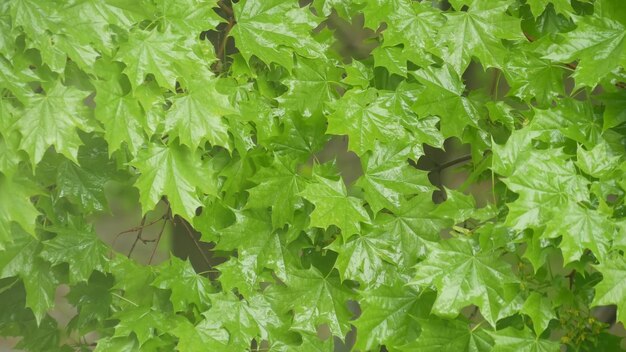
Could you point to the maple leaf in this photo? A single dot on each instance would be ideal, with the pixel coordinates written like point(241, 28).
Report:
point(268, 29)
point(79, 246)
point(310, 87)
point(478, 32)
point(257, 243)
point(444, 97)
point(388, 178)
point(279, 187)
point(187, 286)
point(333, 206)
point(15, 207)
point(52, 119)
point(174, 172)
point(511, 339)
point(365, 119)
point(315, 299)
point(197, 116)
point(464, 276)
point(583, 44)
point(450, 335)
point(611, 290)
point(121, 115)
point(390, 315)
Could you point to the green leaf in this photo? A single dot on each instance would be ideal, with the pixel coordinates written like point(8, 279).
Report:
point(200, 337)
point(598, 43)
point(142, 321)
point(443, 96)
point(390, 315)
point(278, 187)
point(333, 206)
point(243, 319)
point(258, 245)
point(511, 339)
point(176, 173)
point(450, 335)
point(164, 55)
point(51, 119)
point(560, 6)
point(612, 288)
point(79, 246)
point(187, 286)
point(121, 115)
point(393, 58)
point(478, 32)
point(463, 275)
point(312, 85)
point(273, 30)
point(538, 308)
point(614, 111)
point(361, 259)
point(365, 118)
point(388, 178)
point(15, 207)
point(316, 299)
point(197, 116)
point(581, 229)
point(413, 25)
point(598, 162)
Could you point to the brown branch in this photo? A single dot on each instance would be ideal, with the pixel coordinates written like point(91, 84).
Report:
point(450, 163)
point(156, 245)
point(221, 50)
point(141, 227)
point(227, 10)
point(195, 242)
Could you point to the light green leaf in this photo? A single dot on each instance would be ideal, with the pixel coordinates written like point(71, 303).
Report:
point(513, 340)
point(443, 96)
point(197, 116)
point(187, 286)
point(79, 246)
point(478, 32)
point(390, 314)
point(315, 299)
point(364, 118)
point(312, 85)
point(450, 335)
point(598, 43)
point(51, 119)
point(279, 187)
point(15, 207)
point(333, 206)
point(388, 178)
point(121, 115)
point(273, 29)
point(560, 6)
point(258, 245)
point(464, 275)
point(612, 288)
point(538, 308)
point(175, 172)
point(598, 162)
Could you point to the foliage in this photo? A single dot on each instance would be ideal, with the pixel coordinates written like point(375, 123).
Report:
point(219, 111)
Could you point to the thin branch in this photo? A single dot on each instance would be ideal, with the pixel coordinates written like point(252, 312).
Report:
point(227, 10)
point(156, 245)
point(450, 163)
point(132, 248)
point(195, 242)
point(221, 50)
point(137, 228)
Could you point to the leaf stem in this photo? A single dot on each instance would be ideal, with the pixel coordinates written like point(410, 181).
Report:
point(124, 299)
